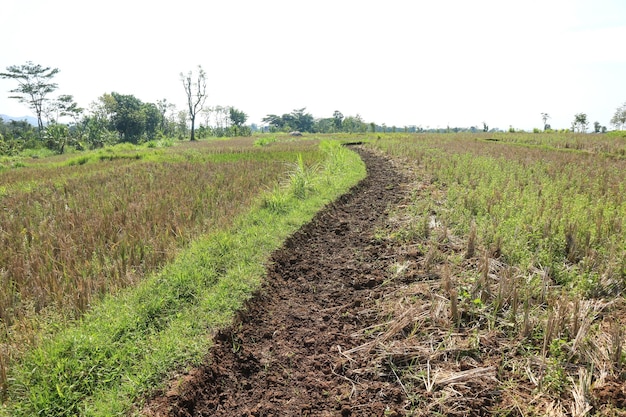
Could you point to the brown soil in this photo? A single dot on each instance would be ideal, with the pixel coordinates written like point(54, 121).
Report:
point(351, 322)
point(282, 356)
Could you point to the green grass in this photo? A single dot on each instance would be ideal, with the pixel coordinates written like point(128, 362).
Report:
point(129, 344)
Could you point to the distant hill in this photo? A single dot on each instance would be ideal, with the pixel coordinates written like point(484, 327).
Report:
point(30, 119)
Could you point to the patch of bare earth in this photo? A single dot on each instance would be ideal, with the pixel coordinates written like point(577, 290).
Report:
point(352, 321)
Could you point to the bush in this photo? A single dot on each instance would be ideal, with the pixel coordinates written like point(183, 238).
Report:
point(617, 134)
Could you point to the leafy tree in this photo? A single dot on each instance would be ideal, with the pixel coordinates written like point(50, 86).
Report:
point(57, 136)
point(354, 124)
point(619, 118)
point(16, 129)
point(97, 126)
point(153, 119)
point(276, 122)
point(164, 107)
point(34, 85)
point(338, 120)
point(597, 127)
point(181, 124)
point(221, 115)
point(580, 123)
point(326, 125)
point(128, 117)
point(171, 121)
point(302, 121)
point(237, 117)
point(485, 127)
point(63, 106)
point(298, 119)
point(15, 136)
point(196, 94)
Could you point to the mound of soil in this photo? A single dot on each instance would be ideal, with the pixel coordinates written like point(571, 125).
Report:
point(283, 354)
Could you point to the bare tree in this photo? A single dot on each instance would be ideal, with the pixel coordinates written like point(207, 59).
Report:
point(196, 94)
point(545, 117)
point(619, 118)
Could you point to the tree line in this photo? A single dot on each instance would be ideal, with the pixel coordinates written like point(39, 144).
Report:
point(112, 118)
point(302, 121)
point(115, 117)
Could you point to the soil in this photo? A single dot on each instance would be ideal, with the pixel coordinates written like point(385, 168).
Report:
point(283, 354)
point(350, 322)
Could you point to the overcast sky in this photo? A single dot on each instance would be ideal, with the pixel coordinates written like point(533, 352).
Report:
point(429, 63)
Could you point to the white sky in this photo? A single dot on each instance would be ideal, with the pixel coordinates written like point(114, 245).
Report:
point(399, 62)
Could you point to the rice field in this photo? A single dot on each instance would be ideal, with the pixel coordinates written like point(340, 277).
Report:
point(527, 235)
point(75, 228)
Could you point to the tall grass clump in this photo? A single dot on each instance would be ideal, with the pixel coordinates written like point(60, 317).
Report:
point(302, 178)
point(128, 344)
point(265, 140)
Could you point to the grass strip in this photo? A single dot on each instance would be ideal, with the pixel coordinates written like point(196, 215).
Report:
point(129, 344)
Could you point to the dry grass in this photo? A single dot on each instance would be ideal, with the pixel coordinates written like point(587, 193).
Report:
point(72, 234)
point(499, 333)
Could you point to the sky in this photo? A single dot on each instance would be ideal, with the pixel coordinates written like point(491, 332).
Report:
point(441, 63)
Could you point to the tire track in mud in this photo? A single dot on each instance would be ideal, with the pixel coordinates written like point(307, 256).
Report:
point(283, 354)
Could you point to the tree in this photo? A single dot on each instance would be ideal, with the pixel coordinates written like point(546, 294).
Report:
point(128, 117)
point(580, 123)
point(34, 85)
point(62, 106)
point(597, 127)
point(544, 118)
point(237, 117)
point(68, 107)
point(196, 95)
point(65, 106)
point(354, 124)
point(221, 114)
point(97, 125)
point(300, 120)
point(153, 119)
point(619, 118)
point(275, 121)
point(164, 107)
point(338, 120)
point(57, 137)
point(326, 125)
point(181, 124)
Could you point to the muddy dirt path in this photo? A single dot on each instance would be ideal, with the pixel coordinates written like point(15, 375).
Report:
point(284, 354)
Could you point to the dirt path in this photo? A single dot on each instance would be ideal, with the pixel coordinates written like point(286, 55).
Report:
point(284, 354)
